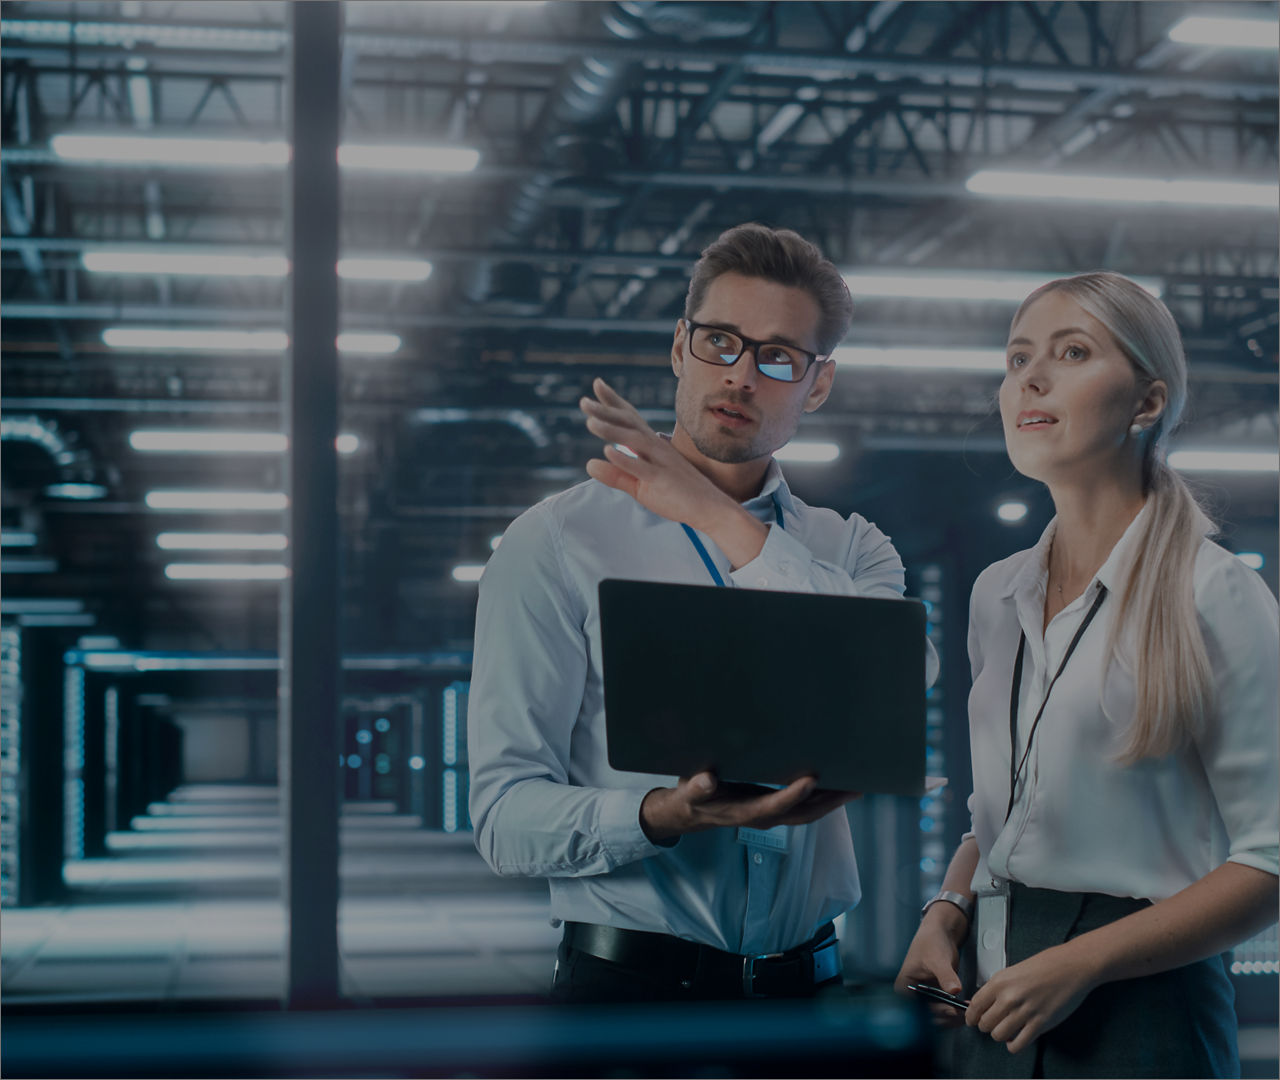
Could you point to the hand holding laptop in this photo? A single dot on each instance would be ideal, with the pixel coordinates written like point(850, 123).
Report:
point(701, 802)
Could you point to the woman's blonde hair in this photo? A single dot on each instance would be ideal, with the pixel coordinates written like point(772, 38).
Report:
point(1157, 619)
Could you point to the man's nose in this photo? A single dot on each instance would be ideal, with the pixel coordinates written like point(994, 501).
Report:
point(743, 372)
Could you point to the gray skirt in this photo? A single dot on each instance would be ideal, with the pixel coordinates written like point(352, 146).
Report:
point(1179, 1023)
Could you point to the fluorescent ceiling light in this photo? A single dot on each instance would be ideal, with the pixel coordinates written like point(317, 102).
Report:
point(1011, 286)
point(39, 606)
point(226, 571)
point(213, 153)
point(1252, 559)
point(98, 641)
point(225, 442)
point(203, 340)
point(203, 263)
point(172, 150)
point(1123, 189)
point(367, 343)
point(210, 261)
point(85, 619)
point(214, 541)
point(212, 340)
point(1012, 511)
point(371, 268)
point(467, 572)
point(408, 159)
point(817, 453)
point(921, 358)
point(16, 538)
point(216, 500)
point(75, 491)
point(1225, 460)
point(1228, 32)
point(27, 564)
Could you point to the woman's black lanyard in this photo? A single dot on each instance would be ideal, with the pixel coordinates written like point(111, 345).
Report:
point(1014, 774)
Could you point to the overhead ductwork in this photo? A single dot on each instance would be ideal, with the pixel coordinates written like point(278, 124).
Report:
point(78, 476)
point(526, 423)
point(571, 133)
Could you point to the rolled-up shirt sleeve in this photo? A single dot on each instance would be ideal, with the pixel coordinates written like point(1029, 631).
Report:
point(531, 659)
point(1240, 744)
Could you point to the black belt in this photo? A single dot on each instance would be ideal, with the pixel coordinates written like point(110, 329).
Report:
point(793, 973)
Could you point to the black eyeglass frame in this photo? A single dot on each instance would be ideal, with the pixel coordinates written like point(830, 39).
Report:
point(811, 358)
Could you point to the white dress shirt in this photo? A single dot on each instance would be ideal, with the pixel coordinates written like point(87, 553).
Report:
point(1082, 822)
point(544, 800)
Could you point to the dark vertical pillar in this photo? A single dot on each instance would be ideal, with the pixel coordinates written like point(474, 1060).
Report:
point(93, 767)
point(309, 657)
point(43, 688)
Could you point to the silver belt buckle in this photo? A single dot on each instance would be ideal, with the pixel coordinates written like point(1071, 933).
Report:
point(749, 972)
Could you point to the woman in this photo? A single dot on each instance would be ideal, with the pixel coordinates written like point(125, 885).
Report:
point(1122, 726)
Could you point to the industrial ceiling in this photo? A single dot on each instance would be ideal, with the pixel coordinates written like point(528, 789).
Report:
point(614, 141)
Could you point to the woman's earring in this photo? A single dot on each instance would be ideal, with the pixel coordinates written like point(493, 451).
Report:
point(1135, 430)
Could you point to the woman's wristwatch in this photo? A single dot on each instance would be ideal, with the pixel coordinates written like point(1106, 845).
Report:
point(958, 899)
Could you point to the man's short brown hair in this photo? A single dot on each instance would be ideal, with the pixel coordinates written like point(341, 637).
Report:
point(781, 256)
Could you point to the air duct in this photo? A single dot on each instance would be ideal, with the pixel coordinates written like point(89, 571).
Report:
point(78, 475)
point(573, 132)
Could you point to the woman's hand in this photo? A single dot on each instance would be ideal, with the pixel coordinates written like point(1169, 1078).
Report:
point(933, 957)
point(1029, 998)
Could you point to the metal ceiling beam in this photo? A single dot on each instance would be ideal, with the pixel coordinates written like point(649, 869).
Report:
point(483, 48)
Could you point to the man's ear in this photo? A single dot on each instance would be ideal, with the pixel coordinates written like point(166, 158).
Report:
point(821, 385)
point(1151, 407)
point(677, 349)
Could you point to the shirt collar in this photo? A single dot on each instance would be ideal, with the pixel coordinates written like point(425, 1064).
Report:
point(1035, 569)
point(1034, 574)
point(774, 483)
point(775, 486)
point(1111, 571)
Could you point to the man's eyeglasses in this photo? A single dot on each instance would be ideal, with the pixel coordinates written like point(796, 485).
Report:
point(724, 348)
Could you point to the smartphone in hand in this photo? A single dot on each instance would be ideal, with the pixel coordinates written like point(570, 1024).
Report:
point(933, 993)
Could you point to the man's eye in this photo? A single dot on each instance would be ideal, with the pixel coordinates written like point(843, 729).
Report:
point(775, 356)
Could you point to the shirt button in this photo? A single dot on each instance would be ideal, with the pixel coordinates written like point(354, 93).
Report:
point(757, 858)
point(764, 581)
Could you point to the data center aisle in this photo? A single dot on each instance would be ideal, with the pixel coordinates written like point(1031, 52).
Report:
point(187, 907)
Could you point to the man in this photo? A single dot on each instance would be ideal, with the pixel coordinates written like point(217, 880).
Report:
point(688, 890)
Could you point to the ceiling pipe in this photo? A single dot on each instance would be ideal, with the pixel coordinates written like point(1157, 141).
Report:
point(74, 464)
point(485, 48)
point(588, 90)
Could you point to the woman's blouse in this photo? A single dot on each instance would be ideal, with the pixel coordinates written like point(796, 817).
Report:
point(1082, 821)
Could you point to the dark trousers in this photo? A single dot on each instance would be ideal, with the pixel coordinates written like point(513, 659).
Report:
point(1179, 1023)
point(581, 978)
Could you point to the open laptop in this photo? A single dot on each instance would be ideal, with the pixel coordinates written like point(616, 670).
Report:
point(764, 687)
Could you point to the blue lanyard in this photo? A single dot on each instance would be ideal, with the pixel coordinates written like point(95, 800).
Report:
point(706, 558)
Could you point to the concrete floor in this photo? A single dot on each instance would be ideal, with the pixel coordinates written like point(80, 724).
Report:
point(188, 906)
